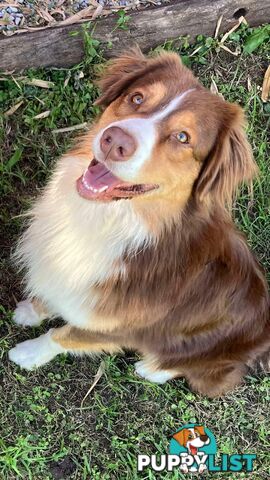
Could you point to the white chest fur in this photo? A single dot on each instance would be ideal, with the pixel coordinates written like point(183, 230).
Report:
point(72, 244)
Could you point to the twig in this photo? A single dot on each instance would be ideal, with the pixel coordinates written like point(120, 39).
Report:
point(97, 377)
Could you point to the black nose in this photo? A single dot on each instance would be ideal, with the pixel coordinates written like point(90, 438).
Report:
point(204, 438)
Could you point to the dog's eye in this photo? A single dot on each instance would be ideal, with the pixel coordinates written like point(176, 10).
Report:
point(182, 137)
point(137, 98)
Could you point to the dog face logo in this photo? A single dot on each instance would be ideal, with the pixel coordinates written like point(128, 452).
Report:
point(192, 438)
point(194, 443)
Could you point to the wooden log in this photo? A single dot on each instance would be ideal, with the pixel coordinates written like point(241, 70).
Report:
point(148, 28)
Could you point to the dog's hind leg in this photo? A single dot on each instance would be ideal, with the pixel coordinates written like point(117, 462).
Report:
point(30, 313)
point(34, 353)
point(217, 382)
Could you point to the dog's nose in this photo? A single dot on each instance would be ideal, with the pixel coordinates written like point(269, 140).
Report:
point(204, 438)
point(117, 145)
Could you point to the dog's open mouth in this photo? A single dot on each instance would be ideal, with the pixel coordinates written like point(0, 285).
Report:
point(99, 183)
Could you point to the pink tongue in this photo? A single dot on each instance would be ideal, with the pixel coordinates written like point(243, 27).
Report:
point(99, 176)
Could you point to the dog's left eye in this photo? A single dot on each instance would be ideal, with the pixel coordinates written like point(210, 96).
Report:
point(137, 98)
point(182, 137)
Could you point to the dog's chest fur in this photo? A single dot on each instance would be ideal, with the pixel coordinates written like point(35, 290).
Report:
point(72, 245)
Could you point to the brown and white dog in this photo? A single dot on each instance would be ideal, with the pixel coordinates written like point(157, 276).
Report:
point(131, 243)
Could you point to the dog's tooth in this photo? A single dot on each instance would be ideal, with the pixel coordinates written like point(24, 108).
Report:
point(86, 184)
point(102, 189)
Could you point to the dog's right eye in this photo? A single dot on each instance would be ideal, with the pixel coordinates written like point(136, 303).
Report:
point(136, 98)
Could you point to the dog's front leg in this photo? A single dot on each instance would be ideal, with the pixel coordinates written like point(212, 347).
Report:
point(30, 313)
point(34, 353)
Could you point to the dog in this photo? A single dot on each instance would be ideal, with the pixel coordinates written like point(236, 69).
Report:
point(192, 439)
point(132, 241)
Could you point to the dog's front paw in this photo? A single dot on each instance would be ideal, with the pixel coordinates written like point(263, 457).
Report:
point(26, 315)
point(34, 353)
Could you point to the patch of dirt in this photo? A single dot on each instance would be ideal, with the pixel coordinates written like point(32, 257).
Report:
point(62, 470)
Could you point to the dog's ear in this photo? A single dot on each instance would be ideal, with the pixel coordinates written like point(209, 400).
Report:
point(118, 74)
point(230, 162)
point(181, 437)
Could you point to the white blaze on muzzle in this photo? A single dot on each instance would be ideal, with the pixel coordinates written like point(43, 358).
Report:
point(144, 131)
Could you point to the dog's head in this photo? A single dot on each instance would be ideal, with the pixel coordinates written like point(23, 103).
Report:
point(163, 135)
point(192, 438)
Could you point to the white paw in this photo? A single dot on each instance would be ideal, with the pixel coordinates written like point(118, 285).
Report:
point(34, 353)
point(158, 376)
point(26, 315)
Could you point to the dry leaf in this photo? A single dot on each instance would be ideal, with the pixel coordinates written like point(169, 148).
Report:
point(266, 85)
point(13, 109)
point(45, 15)
point(39, 83)
point(218, 26)
point(60, 12)
point(97, 377)
point(98, 12)
point(70, 129)
point(42, 115)
point(214, 88)
point(235, 54)
point(67, 79)
point(78, 16)
point(240, 21)
point(8, 4)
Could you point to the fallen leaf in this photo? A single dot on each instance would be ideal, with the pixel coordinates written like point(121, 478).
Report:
point(227, 34)
point(70, 129)
point(13, 109)
point(218, 26)
point(97, 377)
point(42, 115)
point(266, 85)
point(39, 83)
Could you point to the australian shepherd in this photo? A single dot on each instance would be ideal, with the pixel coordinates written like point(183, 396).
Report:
point(132, 242)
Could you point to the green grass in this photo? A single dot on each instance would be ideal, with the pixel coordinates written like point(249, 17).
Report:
point(45, 431)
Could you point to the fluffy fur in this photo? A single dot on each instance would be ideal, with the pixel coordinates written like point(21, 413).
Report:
point(165, 273)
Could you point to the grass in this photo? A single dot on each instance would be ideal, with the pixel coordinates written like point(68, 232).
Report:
point(45, 431)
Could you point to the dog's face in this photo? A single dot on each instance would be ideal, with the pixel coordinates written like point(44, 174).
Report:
point(192, 438)
point(163, 136)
